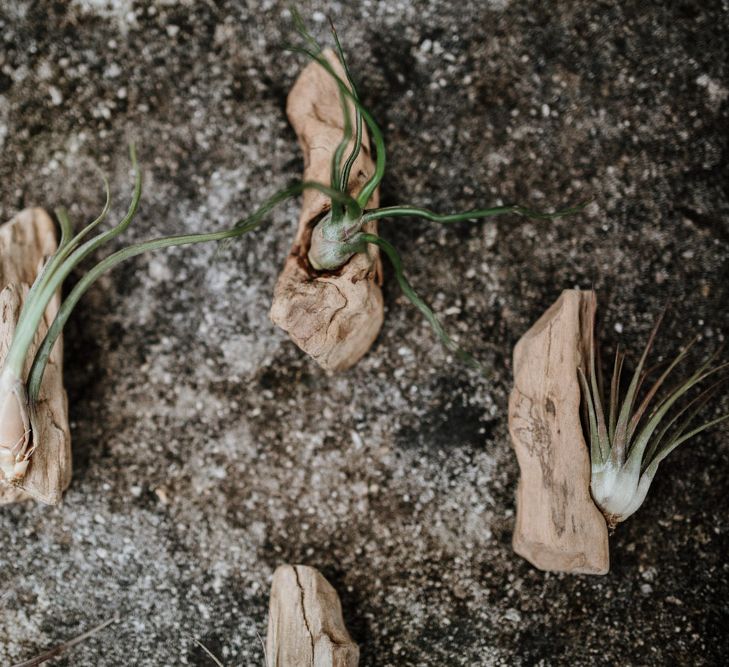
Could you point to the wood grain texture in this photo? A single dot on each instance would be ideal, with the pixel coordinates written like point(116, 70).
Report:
point(332, 316)
point(25, 242)
point(558, 526)
point(305, 624)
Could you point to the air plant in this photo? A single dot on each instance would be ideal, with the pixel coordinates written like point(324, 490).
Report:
point(630, 439)
point(339, 234)
point(19, 392)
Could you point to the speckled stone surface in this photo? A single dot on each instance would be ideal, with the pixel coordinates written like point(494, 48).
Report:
point(208, 450)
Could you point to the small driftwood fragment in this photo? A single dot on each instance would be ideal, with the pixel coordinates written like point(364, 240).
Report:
point(333, 316)
point(25, 243)
point(558, 526)
point(305, 624)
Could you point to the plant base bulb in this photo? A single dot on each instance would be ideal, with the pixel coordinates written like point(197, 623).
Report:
point(332, 246)
point(15, 432)
point(618, 490)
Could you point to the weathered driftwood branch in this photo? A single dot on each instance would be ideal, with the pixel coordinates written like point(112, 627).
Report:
point(558, 526)
point(333, 316)
point(305, 625)
point(25, 242)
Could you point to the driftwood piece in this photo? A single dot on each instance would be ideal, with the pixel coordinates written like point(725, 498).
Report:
point(558, 526)
point(305, 624)
point(333, 316)
point(25, 242)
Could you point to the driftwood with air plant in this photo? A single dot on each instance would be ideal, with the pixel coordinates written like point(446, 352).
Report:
point(23, 422)
point(570, 495)
point(557, 526)
point(25, 243)
point(333, 316)
point(327, 297)
point(629, 438)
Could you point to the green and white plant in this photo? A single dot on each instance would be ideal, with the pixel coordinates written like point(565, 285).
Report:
point(339, 234)
point(630, 439)
point(19, 392)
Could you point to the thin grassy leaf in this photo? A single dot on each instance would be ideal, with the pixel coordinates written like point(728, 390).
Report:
point(598, 369)
point(347, 168)
point(602, 432)
point(208, 652)
point(335, 180)
point(646, 372)
point(644, 437)
point(620, 442)
point(615, 393)
point(694, 407)
point(52, 262)
point(473, 214)
point(62, 648)
point(710, 361)
point(380, 154)
point(301, 28)
point(66, 245)
point(665, 451)
point(596, 454)
point(640, 411)
point(334, 176)
point(73, 243)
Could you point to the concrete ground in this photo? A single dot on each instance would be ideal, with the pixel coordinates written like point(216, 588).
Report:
point(208, 449)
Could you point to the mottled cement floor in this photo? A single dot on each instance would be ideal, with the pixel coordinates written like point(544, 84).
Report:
point(208, 450)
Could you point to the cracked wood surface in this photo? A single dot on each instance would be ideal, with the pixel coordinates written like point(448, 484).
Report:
point(305, 624)
point(25, 242)
point(558, 526)
point(332, 316)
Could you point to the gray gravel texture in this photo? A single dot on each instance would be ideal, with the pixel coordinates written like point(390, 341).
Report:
point(208, 449)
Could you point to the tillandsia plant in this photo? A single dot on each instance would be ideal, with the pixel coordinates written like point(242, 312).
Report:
point(630, 439)
point(342, 232)
point(19, 392)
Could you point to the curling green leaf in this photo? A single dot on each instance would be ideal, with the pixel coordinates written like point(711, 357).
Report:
point(346, 170)
point(418, 302)
point(242, 227)
point(380, 157)
point(33, 309)
point(473, 214)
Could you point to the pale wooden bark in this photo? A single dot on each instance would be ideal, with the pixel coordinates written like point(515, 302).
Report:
point(558, 526)
point(305, 624)
point(25, 242)
point(333, 316)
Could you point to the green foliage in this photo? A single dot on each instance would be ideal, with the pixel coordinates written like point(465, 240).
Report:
point(344, 227)
point(631, 438)
point(71, 253)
